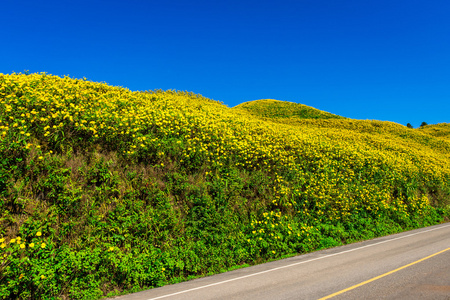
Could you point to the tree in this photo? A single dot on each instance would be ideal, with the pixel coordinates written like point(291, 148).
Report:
point(423, 124)
point(409, 125)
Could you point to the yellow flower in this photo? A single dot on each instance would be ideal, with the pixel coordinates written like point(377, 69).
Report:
point(38, 233)
point(22, 246)
point(2, 240)
point(12, 241)
point(42, 277)
point(3, 245)
point(43, 245)
point(31, 245)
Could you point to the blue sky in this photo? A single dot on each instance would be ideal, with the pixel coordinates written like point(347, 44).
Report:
point(382, 60)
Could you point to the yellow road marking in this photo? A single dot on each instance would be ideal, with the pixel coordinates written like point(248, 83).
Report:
point(378, 277)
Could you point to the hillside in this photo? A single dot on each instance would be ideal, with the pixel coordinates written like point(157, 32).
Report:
point(441, 130)
point(275, 109)
point(106, 191)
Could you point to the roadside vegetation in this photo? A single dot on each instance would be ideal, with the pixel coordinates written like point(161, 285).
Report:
point(106, 191)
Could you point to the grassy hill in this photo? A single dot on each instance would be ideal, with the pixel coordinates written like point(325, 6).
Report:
point(275, 109)
point(106, 191)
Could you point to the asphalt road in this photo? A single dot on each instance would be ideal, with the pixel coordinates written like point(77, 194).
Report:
point(409, 265)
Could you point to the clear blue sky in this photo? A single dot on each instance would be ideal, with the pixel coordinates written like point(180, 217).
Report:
point(381, 59)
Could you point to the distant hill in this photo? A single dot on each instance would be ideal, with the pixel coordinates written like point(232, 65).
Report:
point(268, 108)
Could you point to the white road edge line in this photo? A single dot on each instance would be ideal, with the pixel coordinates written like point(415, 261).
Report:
point(294, 264)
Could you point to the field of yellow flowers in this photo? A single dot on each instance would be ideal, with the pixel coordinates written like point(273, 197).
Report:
point(106, 191)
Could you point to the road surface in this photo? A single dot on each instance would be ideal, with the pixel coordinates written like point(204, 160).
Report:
point(409, 265)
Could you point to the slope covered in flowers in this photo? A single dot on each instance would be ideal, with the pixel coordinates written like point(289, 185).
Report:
point(441, 130)
point(104, 190)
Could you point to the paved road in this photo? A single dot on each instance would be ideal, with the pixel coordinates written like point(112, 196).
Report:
point(409, 265)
